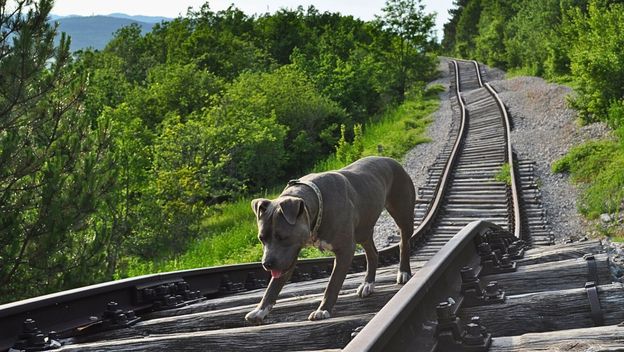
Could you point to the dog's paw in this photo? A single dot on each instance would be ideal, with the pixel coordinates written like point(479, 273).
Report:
point(319, 315)
point(403, 277)
point(257, 315)
point(366, 289)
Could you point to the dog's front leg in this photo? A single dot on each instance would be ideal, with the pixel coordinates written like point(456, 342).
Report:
point(268, 300)
point(341, 267)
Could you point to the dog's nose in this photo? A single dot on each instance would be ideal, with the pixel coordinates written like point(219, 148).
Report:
point(268, 265)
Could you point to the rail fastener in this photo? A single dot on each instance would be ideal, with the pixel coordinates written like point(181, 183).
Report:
point(33, 339)
point(473, 292)
point(451, 335)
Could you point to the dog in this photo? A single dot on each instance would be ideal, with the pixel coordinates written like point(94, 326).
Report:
point(333, 210)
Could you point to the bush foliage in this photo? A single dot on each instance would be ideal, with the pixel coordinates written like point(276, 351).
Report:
point(116, 158)
point(231, 227)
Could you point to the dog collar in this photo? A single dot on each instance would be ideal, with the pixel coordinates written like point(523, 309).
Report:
point(316, 190)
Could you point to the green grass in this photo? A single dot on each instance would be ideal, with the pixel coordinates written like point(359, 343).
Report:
point(598, 167)
point(567, 80)
point(519, 71)
point(229, 230)
point(504, 175)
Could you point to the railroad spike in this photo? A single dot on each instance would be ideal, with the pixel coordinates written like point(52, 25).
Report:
point(473, 292)
point(448, 322)
point(491, 261)
point(114, 318)
point(476, 338)
point(33, 339)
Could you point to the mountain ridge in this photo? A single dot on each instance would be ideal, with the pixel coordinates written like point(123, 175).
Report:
point(97, 30)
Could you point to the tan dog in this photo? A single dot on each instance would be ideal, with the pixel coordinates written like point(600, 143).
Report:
point(334, 211)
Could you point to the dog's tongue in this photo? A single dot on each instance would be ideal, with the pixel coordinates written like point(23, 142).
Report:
point(276, 274)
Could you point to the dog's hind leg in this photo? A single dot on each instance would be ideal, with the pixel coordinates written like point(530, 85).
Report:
point(402, 211)
point(406, 226)
point(372, 260)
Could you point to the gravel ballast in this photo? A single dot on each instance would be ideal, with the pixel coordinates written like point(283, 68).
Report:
point(423, 155)
point(544, 129)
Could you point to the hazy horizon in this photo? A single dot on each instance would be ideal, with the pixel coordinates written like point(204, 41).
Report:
point(365, 9)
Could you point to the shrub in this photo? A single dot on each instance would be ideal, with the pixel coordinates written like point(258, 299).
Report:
point(349, 152)
point(597, 59)
point(310, 119)
point(583, 161)
point(599, 167)
point(606, 191)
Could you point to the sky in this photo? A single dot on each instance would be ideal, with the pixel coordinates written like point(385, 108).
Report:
point(364, 9)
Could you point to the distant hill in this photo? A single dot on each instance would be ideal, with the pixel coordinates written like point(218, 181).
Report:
point(96, 31)
point(146, 19)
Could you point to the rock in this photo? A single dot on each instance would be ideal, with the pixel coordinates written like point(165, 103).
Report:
point(394, 238)
point(605, 218)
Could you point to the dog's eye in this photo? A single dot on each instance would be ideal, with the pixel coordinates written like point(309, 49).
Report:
point(278, 237)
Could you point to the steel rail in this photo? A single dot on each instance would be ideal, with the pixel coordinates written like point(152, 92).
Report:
point(442, 186)
point(405, 311)
point(515, 195)
point(478, 72)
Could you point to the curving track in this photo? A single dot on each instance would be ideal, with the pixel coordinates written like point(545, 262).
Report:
point(461, 189)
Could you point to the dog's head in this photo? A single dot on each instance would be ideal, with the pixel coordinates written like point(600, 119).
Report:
point(283, 229)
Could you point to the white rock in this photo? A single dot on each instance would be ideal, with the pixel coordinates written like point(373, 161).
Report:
point(605, 218)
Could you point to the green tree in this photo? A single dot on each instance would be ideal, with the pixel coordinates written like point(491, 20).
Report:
point(213, 156)
point(490, 42)
point(597, 59)
point(129, 44)
point(411, 30)
point(178, 89)
point(107, 85)
point(54, 165)
point(311, 119)
point(282, 32)
point(467, 29)
point(450, 27)
point(531, 33)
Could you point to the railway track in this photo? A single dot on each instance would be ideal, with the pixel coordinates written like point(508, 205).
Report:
point(464, 218)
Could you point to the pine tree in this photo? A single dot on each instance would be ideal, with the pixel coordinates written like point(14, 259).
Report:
point(53, 167)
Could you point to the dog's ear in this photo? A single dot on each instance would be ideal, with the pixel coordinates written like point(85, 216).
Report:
point(259, 206)
point(291, 208)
